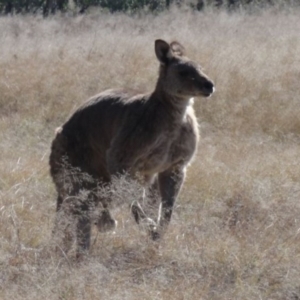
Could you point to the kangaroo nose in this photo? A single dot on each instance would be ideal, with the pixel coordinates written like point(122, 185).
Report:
point(209, 86)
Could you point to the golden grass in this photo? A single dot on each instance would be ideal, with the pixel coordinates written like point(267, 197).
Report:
point(235, 233)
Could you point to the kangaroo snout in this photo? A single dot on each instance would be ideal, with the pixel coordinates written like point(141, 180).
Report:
point(208, 88)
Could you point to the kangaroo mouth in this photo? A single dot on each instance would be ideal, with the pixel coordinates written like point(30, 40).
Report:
point(208, 93)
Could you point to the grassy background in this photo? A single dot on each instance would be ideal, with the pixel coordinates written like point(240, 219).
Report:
point(235, 233)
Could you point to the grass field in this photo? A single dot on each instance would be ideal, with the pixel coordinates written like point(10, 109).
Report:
point(235, 232)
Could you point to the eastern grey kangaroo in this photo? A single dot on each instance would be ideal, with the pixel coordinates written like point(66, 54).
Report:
point(147, 136)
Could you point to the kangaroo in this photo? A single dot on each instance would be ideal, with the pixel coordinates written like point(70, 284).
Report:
point(151, 137)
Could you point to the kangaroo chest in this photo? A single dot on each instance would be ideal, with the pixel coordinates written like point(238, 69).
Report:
point(168, 149)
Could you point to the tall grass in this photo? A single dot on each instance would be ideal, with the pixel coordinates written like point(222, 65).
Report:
point(235, 233)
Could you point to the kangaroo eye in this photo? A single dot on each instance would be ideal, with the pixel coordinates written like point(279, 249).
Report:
point(184, 73)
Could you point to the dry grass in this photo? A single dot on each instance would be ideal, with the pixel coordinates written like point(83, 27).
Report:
point(235, 233)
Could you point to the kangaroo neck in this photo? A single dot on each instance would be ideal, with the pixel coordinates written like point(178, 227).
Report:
point(174, 106)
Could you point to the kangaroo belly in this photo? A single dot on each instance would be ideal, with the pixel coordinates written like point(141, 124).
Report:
point(155, 161)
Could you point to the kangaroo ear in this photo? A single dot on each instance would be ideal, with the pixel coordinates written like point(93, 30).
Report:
point(177, 48)
point(162, 51)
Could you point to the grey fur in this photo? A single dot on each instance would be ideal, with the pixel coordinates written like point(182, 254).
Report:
point(147, 136)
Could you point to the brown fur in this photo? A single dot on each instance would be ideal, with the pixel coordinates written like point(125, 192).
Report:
point(146, 136)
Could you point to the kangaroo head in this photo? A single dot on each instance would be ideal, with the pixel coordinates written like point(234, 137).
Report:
point(179, 76)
